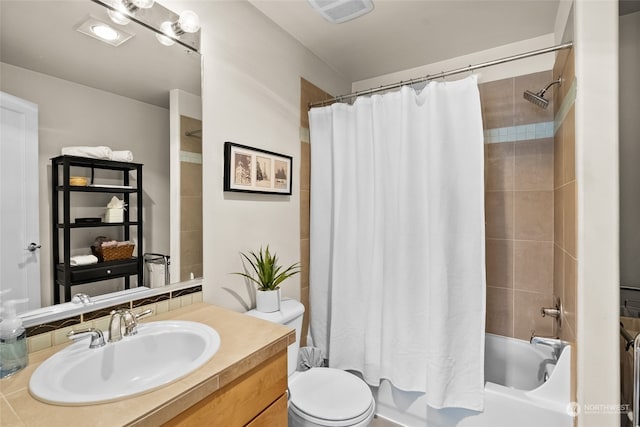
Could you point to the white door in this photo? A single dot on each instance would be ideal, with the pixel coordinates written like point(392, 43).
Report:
point(19, 228)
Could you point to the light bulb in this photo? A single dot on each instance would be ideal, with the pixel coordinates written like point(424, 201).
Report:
point(164, 40)
point(167, 28)
point(118, 17)
point(143, 4)
point(105, 32)
point(189, 21)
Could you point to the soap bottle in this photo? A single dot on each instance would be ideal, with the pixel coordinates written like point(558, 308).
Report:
point(13, 340)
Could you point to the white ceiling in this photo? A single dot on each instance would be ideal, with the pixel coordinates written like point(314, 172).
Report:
point(40, 36)
point(402, 34)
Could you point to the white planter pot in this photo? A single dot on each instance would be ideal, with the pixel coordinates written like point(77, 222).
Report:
point(268, 301)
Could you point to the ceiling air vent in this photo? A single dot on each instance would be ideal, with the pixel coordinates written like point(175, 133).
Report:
point(339, 11)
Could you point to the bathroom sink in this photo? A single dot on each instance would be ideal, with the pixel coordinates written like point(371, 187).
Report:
point(160, 353)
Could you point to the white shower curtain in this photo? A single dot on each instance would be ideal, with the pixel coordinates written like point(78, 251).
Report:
point(397, 272)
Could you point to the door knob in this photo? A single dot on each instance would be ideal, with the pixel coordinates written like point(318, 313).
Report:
point(33, 247)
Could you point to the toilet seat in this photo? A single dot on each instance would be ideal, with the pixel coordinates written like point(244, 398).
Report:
point(330, 397)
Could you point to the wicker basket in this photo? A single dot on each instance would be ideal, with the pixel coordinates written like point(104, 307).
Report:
point(112, 253)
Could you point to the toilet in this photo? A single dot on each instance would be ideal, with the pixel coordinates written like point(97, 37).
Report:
point(320, 397)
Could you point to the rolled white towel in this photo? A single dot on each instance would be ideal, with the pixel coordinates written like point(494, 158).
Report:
point(83, 260)
point(122, 156)
point(156, 275)
point(90, 152)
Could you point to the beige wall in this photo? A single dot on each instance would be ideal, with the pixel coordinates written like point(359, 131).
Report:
point(73, 114)
point(251, 96)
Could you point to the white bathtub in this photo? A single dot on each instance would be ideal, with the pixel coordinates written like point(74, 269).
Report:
point(515, 392)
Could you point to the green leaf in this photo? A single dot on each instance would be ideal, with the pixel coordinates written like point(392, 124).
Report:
point(268, 274)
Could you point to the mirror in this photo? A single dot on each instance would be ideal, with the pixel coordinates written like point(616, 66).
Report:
point(90, 93)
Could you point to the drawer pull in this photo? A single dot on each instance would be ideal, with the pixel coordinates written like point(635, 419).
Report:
point(108, 271)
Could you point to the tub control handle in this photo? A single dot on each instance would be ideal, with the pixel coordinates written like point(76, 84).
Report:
point(551, 312)
point(555, 312)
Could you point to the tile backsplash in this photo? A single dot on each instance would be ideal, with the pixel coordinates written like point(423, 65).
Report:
point(52, 333)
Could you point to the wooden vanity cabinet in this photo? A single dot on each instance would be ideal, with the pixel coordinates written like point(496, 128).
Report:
point(256, 399)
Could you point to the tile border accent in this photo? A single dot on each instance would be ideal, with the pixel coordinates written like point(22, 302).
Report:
point(53, 326)
point(305, 135)
point(188, 157)
point(150, 300)
point(43, 335)
point(187, 291)
point(92, 315)
point(519, 133)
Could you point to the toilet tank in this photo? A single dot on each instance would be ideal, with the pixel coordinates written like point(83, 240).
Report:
point(290, 315)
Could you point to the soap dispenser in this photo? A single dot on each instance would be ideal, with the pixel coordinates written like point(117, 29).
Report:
point(13, 340)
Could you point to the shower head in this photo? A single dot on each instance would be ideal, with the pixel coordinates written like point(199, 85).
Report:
point(538, 98)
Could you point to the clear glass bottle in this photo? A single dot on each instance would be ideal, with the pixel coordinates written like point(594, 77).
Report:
point(13, 341)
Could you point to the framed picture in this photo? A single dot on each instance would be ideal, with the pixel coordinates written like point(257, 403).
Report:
point(251, 170)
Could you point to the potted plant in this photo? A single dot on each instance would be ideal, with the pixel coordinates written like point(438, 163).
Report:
point(268, 277)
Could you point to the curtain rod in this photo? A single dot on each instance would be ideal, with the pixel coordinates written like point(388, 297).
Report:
point(443, 74)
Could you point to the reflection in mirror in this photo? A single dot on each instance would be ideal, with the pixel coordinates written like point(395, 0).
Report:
point(140, 96)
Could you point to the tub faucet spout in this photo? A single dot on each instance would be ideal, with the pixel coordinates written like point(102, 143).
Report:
point(556, 344)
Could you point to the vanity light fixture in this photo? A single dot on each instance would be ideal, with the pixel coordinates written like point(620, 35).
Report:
point(188, 22)
point(123, 8)
point(102, 31)
point(118, 17)
point(133, 5)
point(167, 41)
point(170, 27)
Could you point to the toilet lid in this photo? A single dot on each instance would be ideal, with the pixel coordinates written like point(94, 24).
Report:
point(330, 394)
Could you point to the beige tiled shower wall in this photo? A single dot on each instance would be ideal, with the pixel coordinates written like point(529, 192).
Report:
point(565, 224)
point(190, 198)
point(519, 200)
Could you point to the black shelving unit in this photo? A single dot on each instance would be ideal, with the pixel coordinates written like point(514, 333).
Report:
point(66, 275)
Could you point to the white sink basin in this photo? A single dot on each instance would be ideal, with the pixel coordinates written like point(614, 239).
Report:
point(159, 354)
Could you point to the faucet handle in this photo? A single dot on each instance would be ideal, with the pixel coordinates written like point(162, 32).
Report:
point(144, 313)
point(131, 320)
point(97, 338)
point(81, 298)
point(554, 312)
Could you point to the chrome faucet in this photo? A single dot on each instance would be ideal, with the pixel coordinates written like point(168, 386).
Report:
point(555, 343)
point(124, 323)
point(131, 321)
point(81, 299)
point(97, 338)
point(116, 326)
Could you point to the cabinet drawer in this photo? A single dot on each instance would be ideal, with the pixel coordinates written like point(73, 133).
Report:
point(244, 400)
point(100, 271)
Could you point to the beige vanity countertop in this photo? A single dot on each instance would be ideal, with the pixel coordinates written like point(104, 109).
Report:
point(245, 343)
